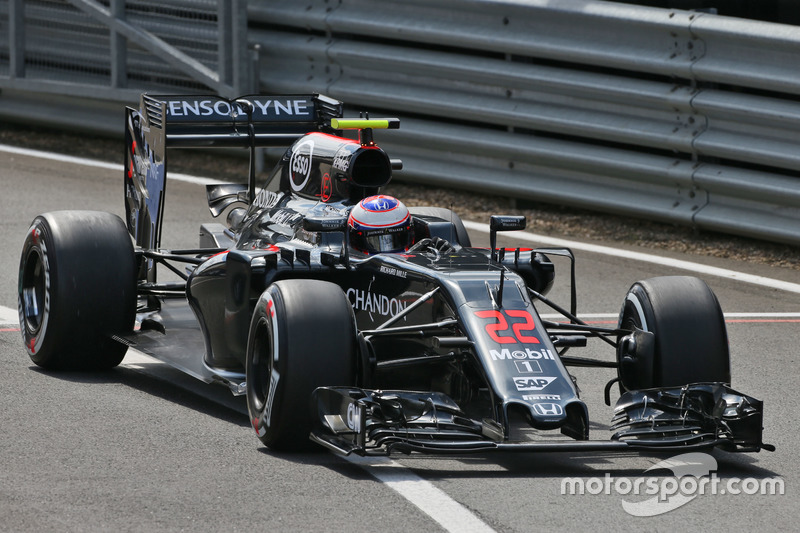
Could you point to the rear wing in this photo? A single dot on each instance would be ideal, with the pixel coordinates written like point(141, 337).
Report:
point(193, 121)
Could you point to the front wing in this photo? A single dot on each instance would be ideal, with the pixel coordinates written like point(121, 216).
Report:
point(696, 416)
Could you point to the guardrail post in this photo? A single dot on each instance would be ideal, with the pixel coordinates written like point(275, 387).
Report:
point(245, 74)
point(16, 38)
point(225, 42)
point(119, 48)
point(234, 64)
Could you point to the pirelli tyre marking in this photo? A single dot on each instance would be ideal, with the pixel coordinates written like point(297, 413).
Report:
point(34, 303)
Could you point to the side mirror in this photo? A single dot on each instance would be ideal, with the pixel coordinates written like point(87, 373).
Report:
point(323, 224)
point(221, 195)
point(636, 359)
point(236, 218)
point(506, 223)
point(503, 223)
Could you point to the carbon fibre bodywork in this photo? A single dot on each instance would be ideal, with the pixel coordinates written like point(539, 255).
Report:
point(452, 353)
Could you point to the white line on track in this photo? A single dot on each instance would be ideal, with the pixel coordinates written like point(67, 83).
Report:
point(10, 318)
point(590, 316)
point(94, 163)
point(448, 513)
point(476, 226)
point(646, 258)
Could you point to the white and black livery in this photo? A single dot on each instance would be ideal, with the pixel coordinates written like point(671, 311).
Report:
point(348, 318)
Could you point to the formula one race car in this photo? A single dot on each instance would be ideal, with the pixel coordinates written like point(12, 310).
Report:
point(349, 318)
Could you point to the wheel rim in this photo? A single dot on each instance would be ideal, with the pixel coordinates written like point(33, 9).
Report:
point(261, 366)
point(33, 289)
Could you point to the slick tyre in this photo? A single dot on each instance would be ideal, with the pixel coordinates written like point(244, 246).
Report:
point(77, 288)
point(690, 338)
point(462, 237)
point(302, 336)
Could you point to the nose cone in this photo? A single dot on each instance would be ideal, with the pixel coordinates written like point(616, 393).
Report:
point(524, 419)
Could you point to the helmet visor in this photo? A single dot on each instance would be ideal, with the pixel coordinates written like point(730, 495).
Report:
point(394, 240)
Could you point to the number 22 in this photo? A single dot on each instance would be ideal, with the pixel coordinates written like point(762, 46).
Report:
point(519, 329)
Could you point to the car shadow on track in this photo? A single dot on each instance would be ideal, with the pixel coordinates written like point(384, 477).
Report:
point(217, 402)
point(509, 465)
point(321, 457)
point(156, 386)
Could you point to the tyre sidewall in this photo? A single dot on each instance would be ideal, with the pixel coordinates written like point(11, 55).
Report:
point(691, 343)
point(90, 289)
point(262, 364)
point(310, 325)
point(41, 340)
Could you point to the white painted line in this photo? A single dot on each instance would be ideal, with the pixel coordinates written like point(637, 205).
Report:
point(173, 176)
point(434, 502)
point(136, 359)
point(646, 258)
point(431, 500)
point(8, 317)
point(448, 513)
point(583, 316)
point(59, 157)
point(762, 315)
point(476, 226)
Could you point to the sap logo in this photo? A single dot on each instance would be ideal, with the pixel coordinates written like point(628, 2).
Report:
point(505, 353)
point(300, 164)
point(353, 417)
point(537, 383)
point(548, 409)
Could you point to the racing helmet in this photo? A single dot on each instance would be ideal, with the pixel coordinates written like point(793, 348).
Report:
point(380, 224)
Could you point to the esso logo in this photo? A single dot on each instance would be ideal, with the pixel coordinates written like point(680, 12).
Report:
point(300, 164)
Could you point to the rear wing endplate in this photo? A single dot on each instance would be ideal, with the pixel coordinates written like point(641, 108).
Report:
point(193, 121)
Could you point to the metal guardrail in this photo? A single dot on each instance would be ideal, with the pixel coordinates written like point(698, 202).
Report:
point(684, 117)
point(73, 62)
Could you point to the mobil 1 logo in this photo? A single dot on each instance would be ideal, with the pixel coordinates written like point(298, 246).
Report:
point(528, 367)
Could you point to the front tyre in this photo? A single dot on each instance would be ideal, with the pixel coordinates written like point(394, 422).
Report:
point(77, 288)
point(690, 339)
point(302, 336)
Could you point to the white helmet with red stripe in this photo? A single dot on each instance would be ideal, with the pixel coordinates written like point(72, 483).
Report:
point(380, 224)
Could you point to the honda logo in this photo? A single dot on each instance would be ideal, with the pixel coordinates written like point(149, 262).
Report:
point(548, 409)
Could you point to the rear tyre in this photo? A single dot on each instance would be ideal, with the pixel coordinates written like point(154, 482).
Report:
point(446, 214)
point(302, 336)
point(691, 342)
point(77, 288)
